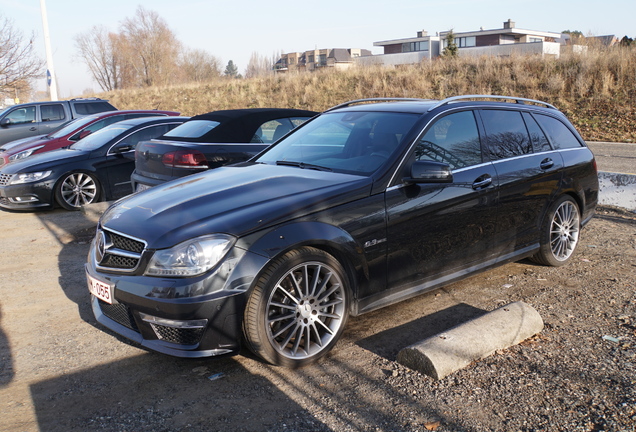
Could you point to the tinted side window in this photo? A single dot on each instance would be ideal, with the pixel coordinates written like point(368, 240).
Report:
point(452, 139)
point(559, 134)
point(22, 115)
point(506, 134)
point(52, 112)
point(539, 140)
point(93, 107)
point(145, 134)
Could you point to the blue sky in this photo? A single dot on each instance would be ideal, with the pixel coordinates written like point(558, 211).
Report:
point(233, 30)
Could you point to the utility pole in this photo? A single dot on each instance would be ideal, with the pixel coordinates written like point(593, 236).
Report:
point(50, 73)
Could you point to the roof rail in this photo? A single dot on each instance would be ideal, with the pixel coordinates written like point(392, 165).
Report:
point(359, 101)
point(516, 99)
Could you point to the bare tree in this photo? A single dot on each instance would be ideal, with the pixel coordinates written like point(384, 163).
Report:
point(99, 49)
point(199, 66)
point(18, 63)
point(152, 48)
point(259, 66)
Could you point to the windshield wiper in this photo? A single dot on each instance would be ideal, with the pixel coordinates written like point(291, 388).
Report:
point(303, 165)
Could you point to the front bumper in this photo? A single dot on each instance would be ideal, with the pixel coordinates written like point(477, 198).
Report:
point(27, 195)
point(140, 312)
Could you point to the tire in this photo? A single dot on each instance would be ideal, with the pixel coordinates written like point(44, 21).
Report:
point(298, 308)
point(559, 233)
point(75, 190)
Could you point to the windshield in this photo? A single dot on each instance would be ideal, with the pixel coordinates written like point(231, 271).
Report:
point(71, 127)
point(349, 142)
point(101, 137)
point(192, 129)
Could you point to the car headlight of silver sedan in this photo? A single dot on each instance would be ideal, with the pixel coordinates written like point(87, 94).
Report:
point(190, 258)
point(23, 154)
point(22, 178)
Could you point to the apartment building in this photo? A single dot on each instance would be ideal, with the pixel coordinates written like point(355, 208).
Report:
point(338, 58)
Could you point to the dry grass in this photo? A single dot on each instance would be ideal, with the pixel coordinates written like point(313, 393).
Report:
point(597, 91)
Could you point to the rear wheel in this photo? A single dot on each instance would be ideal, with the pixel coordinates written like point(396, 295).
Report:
point(298, 308)
point(560, 233)
point(76, 190)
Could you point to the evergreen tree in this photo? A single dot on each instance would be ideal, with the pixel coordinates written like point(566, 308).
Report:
point(450, 50)
point(231, 71)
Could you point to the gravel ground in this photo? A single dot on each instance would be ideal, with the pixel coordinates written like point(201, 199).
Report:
point(61, 372)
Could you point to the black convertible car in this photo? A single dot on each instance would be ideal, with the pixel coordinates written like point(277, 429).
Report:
point(212, 140)
point(95, 168)
point(361, 207)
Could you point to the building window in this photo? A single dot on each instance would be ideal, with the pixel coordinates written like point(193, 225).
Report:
point(465, 42)
point(322, 59)
point(415, 46)
point(532, 39)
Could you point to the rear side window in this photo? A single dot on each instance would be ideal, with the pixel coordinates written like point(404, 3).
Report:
point(506, 134)
point(193, 129)
point(93, 107)
point(539, 140)
point(53, 112)
point(453, 139)
point(560, 136)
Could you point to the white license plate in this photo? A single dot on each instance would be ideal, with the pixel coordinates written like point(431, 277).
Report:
point(101, 290)
point(141, 187)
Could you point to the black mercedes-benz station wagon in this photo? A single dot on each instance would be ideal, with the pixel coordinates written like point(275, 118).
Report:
point(370, 203)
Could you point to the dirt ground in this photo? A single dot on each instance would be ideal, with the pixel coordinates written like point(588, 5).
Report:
point(59, 371)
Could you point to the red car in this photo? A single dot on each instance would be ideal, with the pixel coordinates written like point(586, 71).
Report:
point(70, 133)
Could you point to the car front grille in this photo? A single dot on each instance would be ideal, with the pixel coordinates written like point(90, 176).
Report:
point(5, 179)
point(117, 252)
point(119, 313)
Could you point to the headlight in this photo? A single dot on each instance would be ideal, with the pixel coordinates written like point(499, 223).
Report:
point(23, 154)
point(29, 177)
point(190, 258)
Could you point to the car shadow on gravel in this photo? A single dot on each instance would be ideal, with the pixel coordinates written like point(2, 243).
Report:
point(388, 343)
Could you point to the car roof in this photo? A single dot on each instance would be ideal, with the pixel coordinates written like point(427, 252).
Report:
point(142, 120)
point(423, 106)
point(239, 125)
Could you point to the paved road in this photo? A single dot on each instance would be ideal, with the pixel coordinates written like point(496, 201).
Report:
point(614, 157)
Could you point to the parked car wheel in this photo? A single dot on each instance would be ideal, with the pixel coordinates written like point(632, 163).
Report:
point(560, 234)
point(298, 308)
point(76, 190)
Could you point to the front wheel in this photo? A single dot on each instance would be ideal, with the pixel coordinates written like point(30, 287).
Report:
point(560, 233)
point(76, 190)
point(298, 308)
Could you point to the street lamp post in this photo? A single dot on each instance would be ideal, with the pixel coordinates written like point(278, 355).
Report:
point(50, 75)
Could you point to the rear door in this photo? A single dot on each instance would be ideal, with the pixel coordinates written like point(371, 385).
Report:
point(52, 116)
point(529, 173)
point(437, 230)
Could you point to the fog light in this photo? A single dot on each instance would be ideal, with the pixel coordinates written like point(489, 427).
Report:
point(23, 199)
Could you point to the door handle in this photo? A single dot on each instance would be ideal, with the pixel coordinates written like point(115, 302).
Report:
point(546, 164)
point(482, 182)
point(33, 128)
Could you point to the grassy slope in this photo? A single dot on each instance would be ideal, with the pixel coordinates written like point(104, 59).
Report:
point(596, 91)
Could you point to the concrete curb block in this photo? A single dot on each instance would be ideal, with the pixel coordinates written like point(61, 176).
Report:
point(616, 189)
point(447, 352)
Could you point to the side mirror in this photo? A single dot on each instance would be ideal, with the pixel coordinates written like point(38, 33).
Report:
point(430, 172)
point(84, 134)
point(5, 122)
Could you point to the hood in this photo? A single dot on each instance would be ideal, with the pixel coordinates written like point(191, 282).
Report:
point(44, 161)
point(29, 141)
point(235, 200)
point(44, 140)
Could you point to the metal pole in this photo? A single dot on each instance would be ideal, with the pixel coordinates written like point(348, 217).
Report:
point(49, 54)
